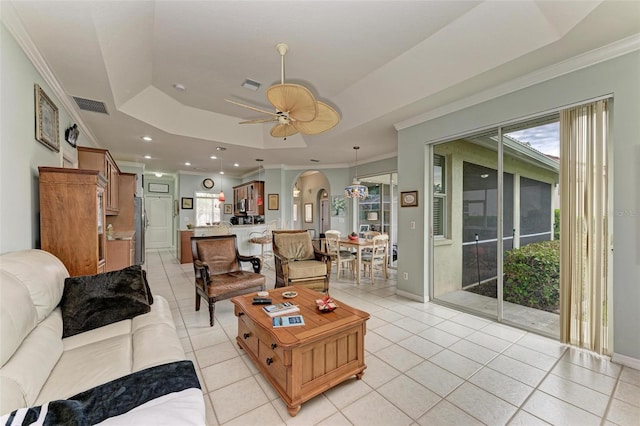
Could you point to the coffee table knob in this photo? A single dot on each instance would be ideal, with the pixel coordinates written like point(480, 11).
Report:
point(246, 335)
point(269, 361)
point(274, 345)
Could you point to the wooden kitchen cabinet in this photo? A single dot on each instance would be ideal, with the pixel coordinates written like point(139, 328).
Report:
point(124, 221)
point(101, 160)
point(184, 248)
point(120, 251)
point(251, 192)
point(72, 218)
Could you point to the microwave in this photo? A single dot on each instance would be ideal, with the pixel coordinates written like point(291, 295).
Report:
point(241, 206)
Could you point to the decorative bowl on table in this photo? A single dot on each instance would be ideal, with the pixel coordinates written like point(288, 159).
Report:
point(353, 236)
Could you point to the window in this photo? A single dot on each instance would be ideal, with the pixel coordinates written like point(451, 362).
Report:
point(439, 196)
point(207, 208)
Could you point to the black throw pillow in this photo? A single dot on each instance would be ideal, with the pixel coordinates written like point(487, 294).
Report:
point(93, 301)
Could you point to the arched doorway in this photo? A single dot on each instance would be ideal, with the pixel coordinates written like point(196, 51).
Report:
point(311, 202)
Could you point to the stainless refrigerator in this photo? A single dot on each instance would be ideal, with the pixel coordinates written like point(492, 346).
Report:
point(140, 224)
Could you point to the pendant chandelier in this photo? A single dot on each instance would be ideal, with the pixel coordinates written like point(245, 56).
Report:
point(221, 195)
point(356, 190)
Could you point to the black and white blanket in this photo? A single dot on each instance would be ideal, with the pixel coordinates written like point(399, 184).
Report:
point(167, 394)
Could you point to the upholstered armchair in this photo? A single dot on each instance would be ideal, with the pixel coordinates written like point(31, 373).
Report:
point(218, 270)
point(298, 261)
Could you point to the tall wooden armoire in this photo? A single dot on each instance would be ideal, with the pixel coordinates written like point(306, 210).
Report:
point(72, 218)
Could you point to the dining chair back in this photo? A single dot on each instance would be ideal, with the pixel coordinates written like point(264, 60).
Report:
point(377, 256)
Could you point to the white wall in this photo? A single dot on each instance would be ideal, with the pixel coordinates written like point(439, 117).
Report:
point(20, 153)
point(620, 77)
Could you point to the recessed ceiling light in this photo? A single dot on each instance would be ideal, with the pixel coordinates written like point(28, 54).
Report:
point(147, 138)
point(236, 165)
point(213, 157)
point(179, 87)
point(148, 157)
point(221, 148)
point(221, 172)
point(158, 174)
point(251, 84)
point(259, 159)
point(484, 175)
point(187, 163)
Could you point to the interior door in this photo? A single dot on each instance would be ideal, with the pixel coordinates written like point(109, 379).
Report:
point(160, 222)
point(325, 218)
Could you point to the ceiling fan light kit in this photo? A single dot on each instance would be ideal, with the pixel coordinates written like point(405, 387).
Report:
point(297, 110)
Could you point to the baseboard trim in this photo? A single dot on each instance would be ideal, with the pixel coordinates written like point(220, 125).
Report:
point(411, 296)
point(626, 360)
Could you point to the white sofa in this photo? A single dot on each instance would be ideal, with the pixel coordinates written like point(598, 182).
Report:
point(38, 365)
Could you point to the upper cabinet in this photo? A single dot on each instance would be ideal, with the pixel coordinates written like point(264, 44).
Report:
point(101, 160)
point(248, 198)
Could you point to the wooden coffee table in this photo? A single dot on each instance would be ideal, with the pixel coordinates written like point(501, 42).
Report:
point(302, 362)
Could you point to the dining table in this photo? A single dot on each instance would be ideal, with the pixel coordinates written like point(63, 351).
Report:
point(357, 244)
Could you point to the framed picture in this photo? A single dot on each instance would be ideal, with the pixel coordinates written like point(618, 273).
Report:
point(159, 187)
point(274, 202)
point(228, 209)
point(338, 206)
point(308, 212)
point(363, 229)
point(187, 203)
point(46, 120)
point(409, 199)
point(71, 135)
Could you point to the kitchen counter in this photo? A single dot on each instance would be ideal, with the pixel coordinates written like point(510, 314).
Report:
point(243, 234)
point(121, 235)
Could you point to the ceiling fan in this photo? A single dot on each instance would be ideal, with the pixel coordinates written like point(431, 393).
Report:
point(297, 110)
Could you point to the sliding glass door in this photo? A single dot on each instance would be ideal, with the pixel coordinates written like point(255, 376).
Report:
point(492, 196)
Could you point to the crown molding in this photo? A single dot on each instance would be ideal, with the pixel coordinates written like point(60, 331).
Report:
point(593, 57)
point(14, 25)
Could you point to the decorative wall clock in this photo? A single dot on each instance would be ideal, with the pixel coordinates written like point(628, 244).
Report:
point(208, 183)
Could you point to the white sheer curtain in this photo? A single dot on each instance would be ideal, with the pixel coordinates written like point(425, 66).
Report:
point(584, 235)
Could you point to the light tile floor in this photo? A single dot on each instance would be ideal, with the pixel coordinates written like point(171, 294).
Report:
point(427, 365)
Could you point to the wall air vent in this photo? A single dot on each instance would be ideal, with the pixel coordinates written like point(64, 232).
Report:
point(91, 105)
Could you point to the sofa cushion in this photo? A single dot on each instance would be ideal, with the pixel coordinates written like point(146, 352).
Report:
point(87, 366)
point(307, 269)
point(23, 376)
point(294, 246)
point(43, 275)
point(18, 316)
point(92, 301)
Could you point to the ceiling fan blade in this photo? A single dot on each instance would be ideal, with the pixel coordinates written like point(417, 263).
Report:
point(326, 119)
point(297, 100)
point(251, 108)
point(283, 130)
point(259, 120)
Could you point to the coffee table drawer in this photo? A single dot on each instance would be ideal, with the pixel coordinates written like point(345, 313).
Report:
point(246, 332)
point(273, 363)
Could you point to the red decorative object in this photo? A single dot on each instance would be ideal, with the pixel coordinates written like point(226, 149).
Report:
point(221, 196)
point(260, 202)
point(353, 236)
point(326, 304)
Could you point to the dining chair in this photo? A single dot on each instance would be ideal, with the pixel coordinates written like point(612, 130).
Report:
point(340, 257)
point(377, 256)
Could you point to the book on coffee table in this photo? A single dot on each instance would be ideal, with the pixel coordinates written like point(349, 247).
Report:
point(280, 309)
point(290, 321)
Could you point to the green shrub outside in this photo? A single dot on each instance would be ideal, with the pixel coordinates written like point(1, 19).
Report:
point(556, 224)
point(532, 276)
